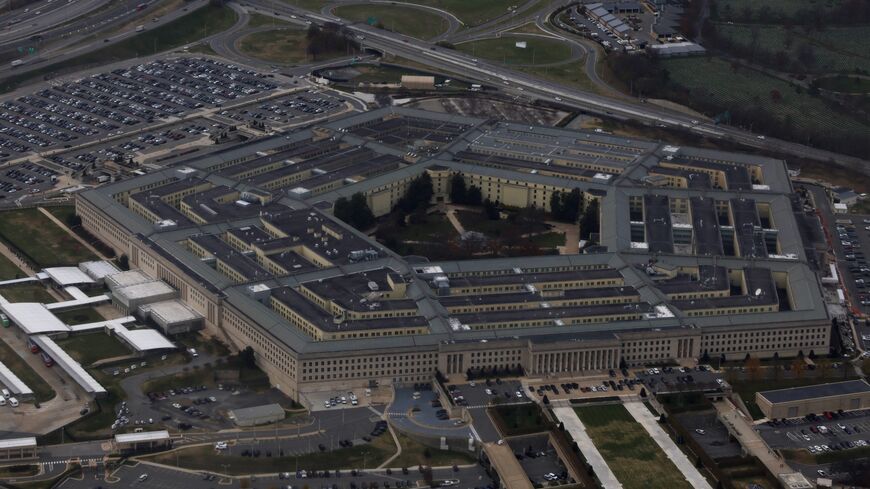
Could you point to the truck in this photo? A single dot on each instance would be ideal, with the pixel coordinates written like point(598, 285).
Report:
point(841, 297)
point(17, 62)
point(140, 28)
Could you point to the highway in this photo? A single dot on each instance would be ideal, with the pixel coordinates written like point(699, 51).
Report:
point(533, 87)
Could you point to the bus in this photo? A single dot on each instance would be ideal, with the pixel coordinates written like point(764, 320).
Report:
point(33, 346)
point(47, 360)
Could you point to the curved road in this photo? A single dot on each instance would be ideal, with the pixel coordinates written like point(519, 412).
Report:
point(453, 22)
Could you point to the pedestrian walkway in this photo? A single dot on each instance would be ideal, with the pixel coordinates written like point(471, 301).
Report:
point(575, 427)
point(742, 429)
point(643, 416)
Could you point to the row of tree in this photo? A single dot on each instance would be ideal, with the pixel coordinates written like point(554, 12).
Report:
point(818, 14)
point(355, 211)
point(329, 39)
point(460, 193)
point(567, 207)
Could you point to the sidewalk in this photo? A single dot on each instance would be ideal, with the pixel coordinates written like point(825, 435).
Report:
point(643, 416)
point(578, 432)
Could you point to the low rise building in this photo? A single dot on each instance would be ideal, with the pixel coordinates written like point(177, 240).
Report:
point(796, 402)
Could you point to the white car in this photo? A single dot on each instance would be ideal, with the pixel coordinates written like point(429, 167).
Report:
point(488, 392)
point(221, 445)
point(143, 477)
point(13, 402)
point(760, 137)
point(519, 394)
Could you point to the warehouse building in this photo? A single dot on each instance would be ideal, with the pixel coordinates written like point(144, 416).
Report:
point(797, 402)
point(172, 317)
point(257, 415)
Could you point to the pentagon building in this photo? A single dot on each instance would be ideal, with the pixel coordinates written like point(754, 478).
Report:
point(701, 253)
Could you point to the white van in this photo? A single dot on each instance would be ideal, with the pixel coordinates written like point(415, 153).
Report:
point(5, 393)
point(2, 401)
point(13, 402)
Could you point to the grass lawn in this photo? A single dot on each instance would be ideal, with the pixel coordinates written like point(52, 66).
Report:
point(9, 270)
point(736, 10)
point(259, 20)
point(472, 12)
point(630, 453)
point(63, 212)
point(477, 221)
point(40, 240)
point(79, 316)
point(285, 46)
point(18, 471)
point(571, 74)
point(713, 79)
point(413, 454)
point(519, 419)
point(436, 228)
point(845, 84)
point(314, 5)
point(89, 348)
point(409, 21)
point(202, 48)
point(41, 390)
point(538, 51)
point(835, 47)
point(550, 239)
point(27, 292)
point(204, 458)
point(184, 30)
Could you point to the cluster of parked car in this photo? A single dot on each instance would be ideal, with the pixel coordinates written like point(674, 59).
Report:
point(7, 398)
point(336, 400)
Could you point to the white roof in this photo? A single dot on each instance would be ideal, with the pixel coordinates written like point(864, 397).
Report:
point(143, 339)
point(64, 276)
point(170, 312)
point(140, 437)
point(85, 301)
point(28, 441)
point(10, 380)
point(154, 288)
point(66, 362)
point(33, 317)
point(130, 277)
point(98, 270)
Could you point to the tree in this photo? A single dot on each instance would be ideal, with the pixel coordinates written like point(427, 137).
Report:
point(753, 366)
point(491, 210)
point(124, 262)
point(458, 189)
point(642, 392)
point(775, 96)
point(474, 195)
point(355, 211)
point(798, 365)
point(545, 400)
point(248, 357)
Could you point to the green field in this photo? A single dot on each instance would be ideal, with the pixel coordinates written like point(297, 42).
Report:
point(409, 21)
point(472, 12)
point(286, 46)
point(713, 79)
point(834, 48)
point(27, 292)
point(40, 240)
point(314, 5)
point(538, 51)
point(519, 419)
point(635, 459)
point(89, 348)
point(414, 454)
point(41, 390)
point(844, 84)
point(189, 28)
point(204, 458)
point(9, 270)
point(748, 10)
point(79, 316)
point(550, 239)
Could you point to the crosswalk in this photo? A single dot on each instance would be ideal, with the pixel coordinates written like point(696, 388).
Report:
point(60, 464)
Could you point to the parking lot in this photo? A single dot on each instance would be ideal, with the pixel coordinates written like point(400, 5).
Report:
point(482, 393)
point(845, 431)
point(108, 104)
point(121, 151)
point(679, 379)
point(285, 110)
point(710, 433)
point(538, 459)
point(25, 178)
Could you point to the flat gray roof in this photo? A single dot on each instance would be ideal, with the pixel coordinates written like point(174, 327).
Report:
point(817, 391)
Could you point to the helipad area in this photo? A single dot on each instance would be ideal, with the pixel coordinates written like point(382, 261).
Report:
point(33, 317)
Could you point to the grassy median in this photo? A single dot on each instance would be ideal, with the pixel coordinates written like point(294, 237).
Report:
point(632, 455)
